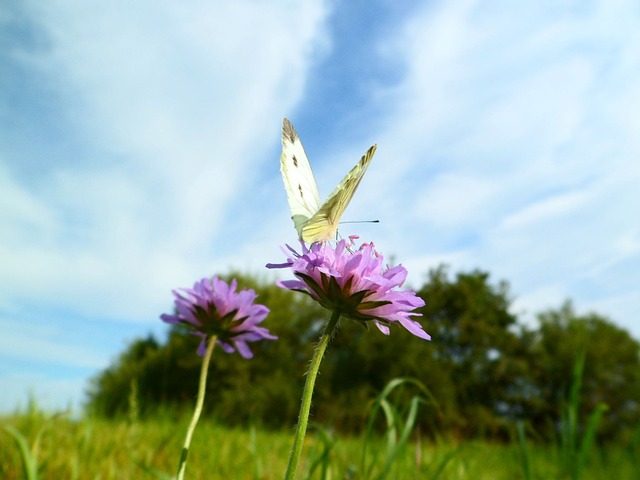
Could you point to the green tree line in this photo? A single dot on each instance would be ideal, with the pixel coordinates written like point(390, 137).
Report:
point(484, 368)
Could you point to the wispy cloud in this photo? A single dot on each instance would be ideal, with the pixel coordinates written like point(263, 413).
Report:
point(46, 342)
point(505, 143)
point(173, 101)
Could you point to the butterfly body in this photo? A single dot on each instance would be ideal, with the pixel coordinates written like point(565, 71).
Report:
point(315, 221)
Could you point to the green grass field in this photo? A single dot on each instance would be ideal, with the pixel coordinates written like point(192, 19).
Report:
point(100, 449)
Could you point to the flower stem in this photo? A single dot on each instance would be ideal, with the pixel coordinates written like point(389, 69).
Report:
point(307, 393)
point(199, 402)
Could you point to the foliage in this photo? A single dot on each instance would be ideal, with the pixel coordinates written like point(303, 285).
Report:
point(575, 442)
point(611, 373)
point(573, 451)
point(484, 369)
point(27, 453)
point(400, 423)
point(30, 453)
point(265, 389)
point(118, 449)
point(474, 360)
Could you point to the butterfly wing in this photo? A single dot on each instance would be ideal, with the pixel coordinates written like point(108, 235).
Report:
point(299, 182)
point(323, 225)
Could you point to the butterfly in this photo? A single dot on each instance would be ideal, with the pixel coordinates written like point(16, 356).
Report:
point(315, 222)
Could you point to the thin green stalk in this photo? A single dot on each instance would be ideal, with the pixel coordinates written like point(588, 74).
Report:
point(29, 460)
point(199, 402)
point(524, 451)
point(307, 393)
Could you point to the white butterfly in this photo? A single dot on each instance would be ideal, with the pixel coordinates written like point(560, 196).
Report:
point(315, 222)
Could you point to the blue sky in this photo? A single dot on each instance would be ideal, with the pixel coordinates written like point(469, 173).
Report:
point(140, 143)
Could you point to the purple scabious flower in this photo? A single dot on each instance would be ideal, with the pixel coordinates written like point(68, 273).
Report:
point(212, 307)
point(354, 283)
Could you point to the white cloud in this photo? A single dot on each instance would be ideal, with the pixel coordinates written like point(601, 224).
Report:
point(507, 140)
point(547, 209)
point(174, 101)
point(450, 200)
point(45, 342)
point(547, 105)
point(30, 218)
point(165, 112)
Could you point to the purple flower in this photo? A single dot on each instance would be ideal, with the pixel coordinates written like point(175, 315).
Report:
point(212, 307)
point(354, 283)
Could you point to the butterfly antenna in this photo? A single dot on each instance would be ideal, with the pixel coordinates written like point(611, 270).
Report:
point(361, 221)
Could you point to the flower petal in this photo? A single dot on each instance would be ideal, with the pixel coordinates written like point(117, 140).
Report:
point(214, 307)
point(354, 283)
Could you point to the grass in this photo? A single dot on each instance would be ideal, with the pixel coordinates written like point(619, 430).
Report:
point(100, 449)
point(35, 446)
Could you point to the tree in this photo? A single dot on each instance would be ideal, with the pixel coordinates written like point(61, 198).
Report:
point(474, 362)
point(482, 367)
point(265, 388)
point(611, 373)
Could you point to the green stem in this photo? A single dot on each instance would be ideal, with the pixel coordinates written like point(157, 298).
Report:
point(307, 393)
point(182, 466)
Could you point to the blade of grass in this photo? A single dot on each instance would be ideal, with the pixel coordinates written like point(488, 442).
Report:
point(397, 432)
point(324, 459)
point(524, 451)
point(29, 460)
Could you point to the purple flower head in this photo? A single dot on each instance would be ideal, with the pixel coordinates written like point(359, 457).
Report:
point(212, 307)
point(354, 283)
